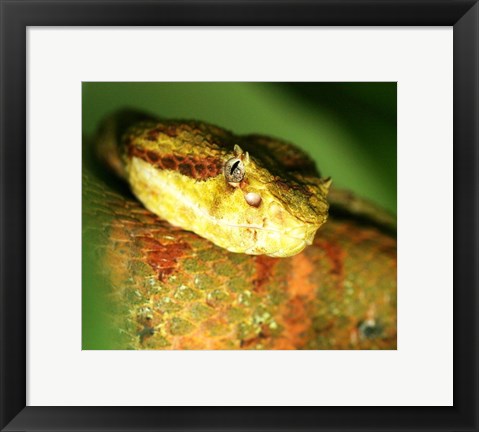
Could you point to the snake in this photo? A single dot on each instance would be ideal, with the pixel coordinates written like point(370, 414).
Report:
point(204, 239)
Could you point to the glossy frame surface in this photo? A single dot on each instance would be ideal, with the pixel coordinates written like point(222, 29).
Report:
point(17, 15)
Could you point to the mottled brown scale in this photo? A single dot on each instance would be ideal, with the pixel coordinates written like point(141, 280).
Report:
point(335, 255)
point(199, 168)
point(264, 268)
point(164, 259)
point(290, 157)
point(166, 129)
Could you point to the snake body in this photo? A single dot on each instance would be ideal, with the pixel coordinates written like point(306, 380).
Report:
point(174, 289)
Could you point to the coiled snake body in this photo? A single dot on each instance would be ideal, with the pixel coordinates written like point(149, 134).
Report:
point(173, 289)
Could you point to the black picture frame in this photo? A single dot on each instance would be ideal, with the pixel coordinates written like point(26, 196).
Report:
point(16, 16)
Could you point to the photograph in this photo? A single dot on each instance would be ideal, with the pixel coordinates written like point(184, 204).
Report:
point(239, 215)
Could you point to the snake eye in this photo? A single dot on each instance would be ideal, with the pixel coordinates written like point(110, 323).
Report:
point(234, 170)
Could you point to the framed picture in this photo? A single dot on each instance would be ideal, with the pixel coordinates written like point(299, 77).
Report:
point(239, 215)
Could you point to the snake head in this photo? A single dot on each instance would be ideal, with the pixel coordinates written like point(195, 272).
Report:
point(251, 194)
point(270, 210)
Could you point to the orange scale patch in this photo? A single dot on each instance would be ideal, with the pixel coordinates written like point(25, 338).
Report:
point(163, 258)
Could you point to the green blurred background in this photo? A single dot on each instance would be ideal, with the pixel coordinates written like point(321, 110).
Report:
point(348, 128)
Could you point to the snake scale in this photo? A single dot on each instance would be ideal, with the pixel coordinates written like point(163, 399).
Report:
point(170, 288)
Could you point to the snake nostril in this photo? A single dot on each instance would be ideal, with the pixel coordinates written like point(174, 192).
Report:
point(253, 199)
